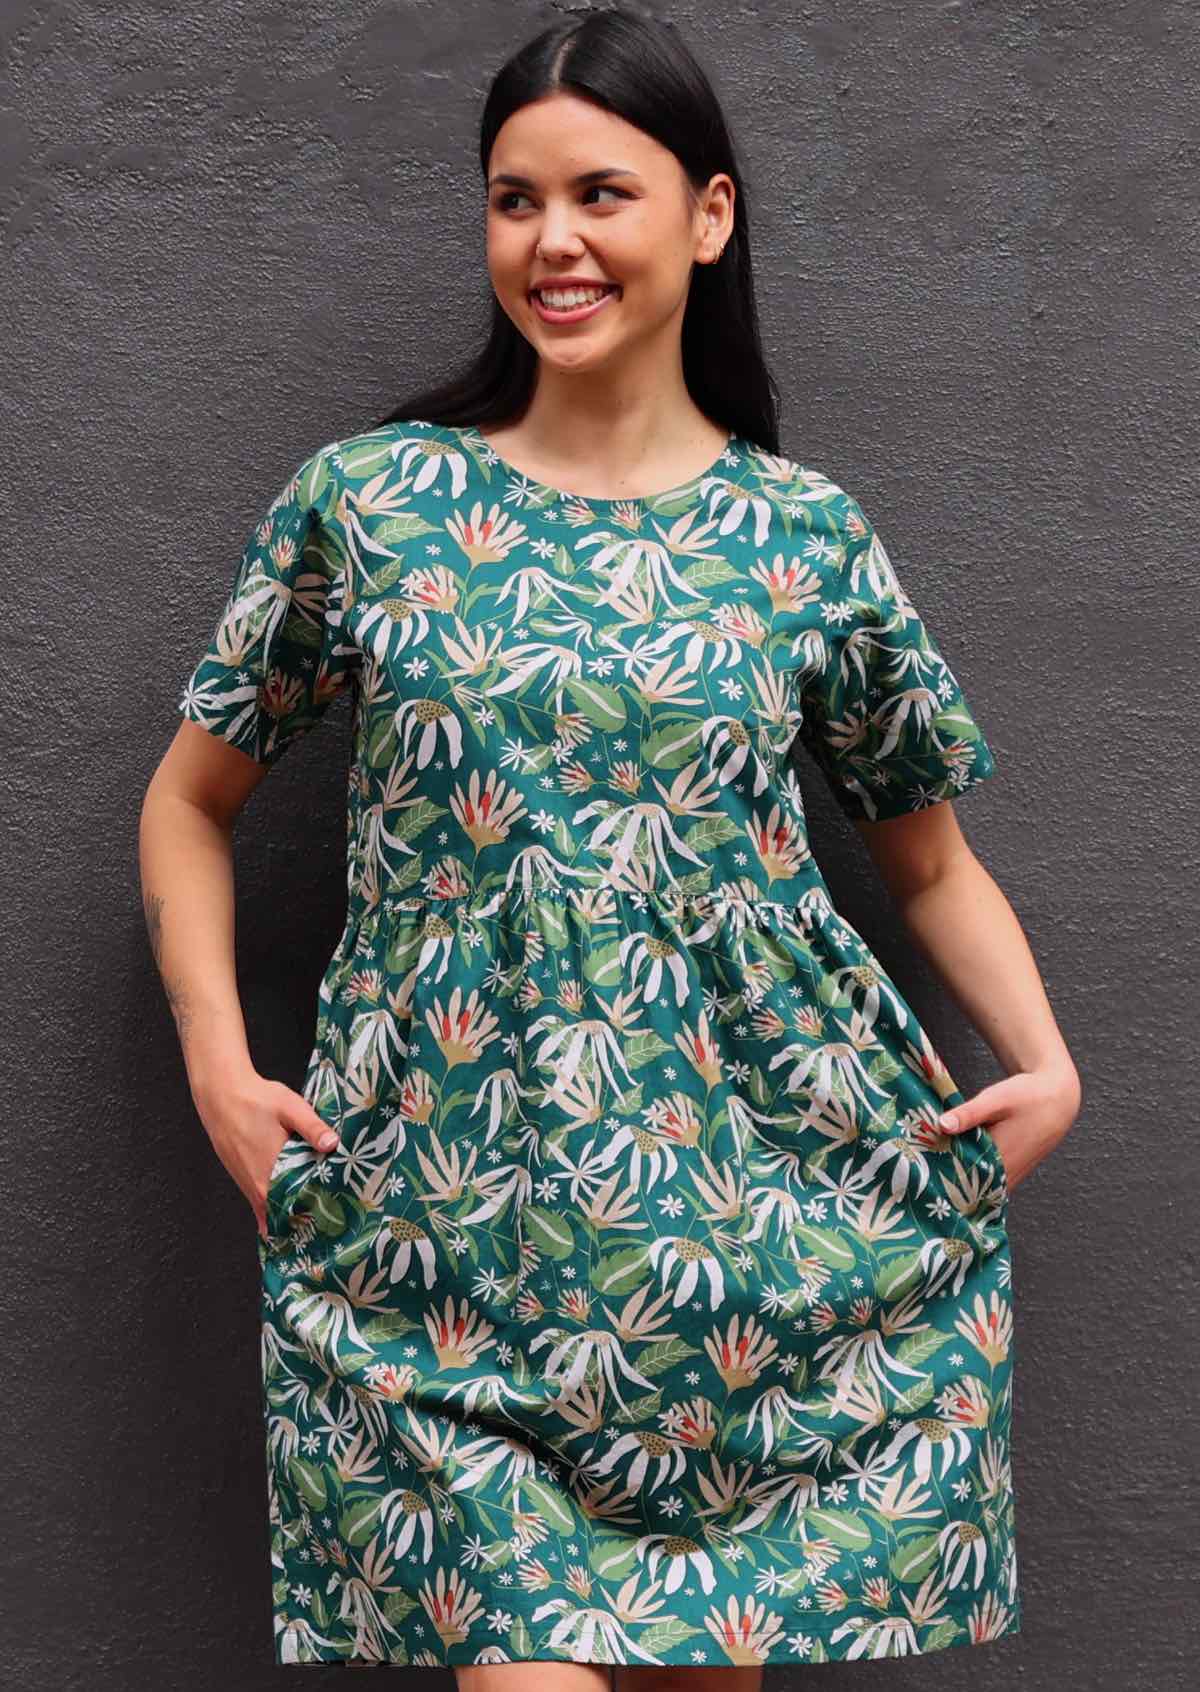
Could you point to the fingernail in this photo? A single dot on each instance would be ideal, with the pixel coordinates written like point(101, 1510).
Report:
point(328, 1140)
point(949, 1120)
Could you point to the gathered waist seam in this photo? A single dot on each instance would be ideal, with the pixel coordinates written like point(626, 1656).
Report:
point(471, 903)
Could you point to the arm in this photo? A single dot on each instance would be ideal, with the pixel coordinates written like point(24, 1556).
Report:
point(186, 851)
point(962, 922)
point(186, 859)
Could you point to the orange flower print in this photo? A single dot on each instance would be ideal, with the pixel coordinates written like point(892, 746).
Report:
point(486, 813)
point(781, 844)
point(486, 539)
point(701, 1050)
point(462, 1031)
point(458, 1334)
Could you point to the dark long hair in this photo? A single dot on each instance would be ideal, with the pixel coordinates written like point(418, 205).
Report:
point(641, 69)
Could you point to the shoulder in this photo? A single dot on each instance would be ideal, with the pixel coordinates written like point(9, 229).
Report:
point(812, 501)
point(320, 477)
point(359, 457)
point(313, 482)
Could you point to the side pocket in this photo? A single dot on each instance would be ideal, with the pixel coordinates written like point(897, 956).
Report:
point(989, 1156)
point(990, 1149)
point(295, 1159)
point(276, 1207)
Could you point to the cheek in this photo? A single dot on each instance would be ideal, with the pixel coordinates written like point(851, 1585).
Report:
point(507, 255)
point(639, 257)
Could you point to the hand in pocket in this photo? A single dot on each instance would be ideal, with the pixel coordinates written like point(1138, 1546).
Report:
point(244, 1119)
point(1025, 1116)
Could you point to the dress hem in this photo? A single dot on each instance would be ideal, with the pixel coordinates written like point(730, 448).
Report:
point(472, 1655)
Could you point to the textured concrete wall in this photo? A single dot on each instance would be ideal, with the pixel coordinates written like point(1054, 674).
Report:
point(235, 231)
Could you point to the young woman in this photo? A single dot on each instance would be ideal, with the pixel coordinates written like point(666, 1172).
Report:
point(635, 1274)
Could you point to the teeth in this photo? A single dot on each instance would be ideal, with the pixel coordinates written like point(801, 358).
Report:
point(564, 299)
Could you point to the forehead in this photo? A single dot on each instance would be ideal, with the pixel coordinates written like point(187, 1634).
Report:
point(559, 139)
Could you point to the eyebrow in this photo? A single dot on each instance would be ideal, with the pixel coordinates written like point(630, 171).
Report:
point(581, 181)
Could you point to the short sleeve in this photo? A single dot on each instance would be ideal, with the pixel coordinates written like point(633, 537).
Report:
point(278, 654)
point(882, 712)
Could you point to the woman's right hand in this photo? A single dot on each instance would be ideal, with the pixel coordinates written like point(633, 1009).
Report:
point(243, 1119)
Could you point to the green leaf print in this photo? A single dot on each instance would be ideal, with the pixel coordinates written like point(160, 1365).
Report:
point(913, 1560)
point(314, 479)
point(389, 1326)
point(602, 964)
point(709, 573)
point(956, 724)
point(620, 1271)
point(666, 1635)
point(774, 953)
point(892, 1281)
point(845, 1527)
point(914, 1397)
point(326, 1210)
point(711, 832)
point(830, 1247)
point(641, 1049)
point(404, 526)
point(884, 1067)
point(550, 1505)
point(497, 1553)
point(549, 1232)
point(943, 1633)
point(309, 1481)
point(397, 1605)
point(641, 1409)
point(666, 1354)
point(385, 573)
point(382, 741)
point(612, 1558)
point(409, 873)
point(364, 460)
point(915, 1349)
point(672, 745)
point(360, 1518)
point(417, 818)
point(601, 704)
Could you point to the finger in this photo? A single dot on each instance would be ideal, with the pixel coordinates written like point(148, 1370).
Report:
point(302, 1119)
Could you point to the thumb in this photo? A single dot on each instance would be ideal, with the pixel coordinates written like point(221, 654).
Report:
point(983, 1106)
point(302, 1119)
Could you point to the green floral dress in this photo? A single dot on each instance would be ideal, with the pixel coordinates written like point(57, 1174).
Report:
point(644, 1313)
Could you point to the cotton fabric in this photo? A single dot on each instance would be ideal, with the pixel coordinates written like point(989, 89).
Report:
point(644, 1313)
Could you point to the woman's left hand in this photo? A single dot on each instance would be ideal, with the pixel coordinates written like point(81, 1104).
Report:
point(1027, 1114)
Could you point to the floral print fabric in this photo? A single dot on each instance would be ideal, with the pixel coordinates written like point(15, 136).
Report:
point(643, 1314)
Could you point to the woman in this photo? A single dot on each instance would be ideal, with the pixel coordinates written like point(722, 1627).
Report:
point(629, 1300)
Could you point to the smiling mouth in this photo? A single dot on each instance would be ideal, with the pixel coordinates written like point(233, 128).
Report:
point(583, 301)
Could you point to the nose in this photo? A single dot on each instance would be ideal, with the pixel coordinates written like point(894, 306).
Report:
point(556, 236)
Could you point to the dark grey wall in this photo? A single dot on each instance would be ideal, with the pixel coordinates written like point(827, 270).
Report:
point(234, 232)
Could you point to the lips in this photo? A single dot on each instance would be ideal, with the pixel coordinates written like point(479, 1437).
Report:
point(577, 313)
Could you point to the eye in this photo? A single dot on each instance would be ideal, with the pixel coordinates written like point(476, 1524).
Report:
point(501, 200)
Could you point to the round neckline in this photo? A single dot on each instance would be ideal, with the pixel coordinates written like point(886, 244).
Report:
point(731, 443)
